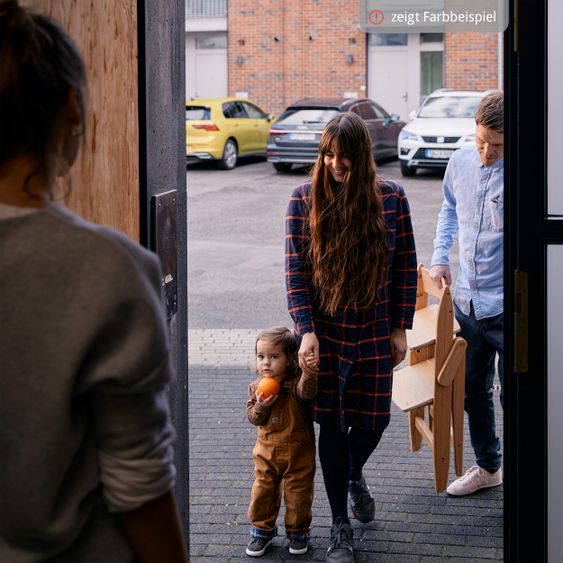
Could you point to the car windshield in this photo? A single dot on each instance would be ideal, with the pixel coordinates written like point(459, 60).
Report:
point(197, 113)
point(304, 116)
point(450, 106)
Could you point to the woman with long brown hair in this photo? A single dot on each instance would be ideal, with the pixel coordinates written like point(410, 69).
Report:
point(351, 288)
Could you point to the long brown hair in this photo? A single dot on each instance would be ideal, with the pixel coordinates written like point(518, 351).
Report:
point(348, 248)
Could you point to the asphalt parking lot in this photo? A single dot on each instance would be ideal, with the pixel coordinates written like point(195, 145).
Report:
point(236, 238)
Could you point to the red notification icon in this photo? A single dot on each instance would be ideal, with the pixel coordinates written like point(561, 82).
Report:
point(376, 17)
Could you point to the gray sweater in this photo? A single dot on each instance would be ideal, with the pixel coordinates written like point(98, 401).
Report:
point(84, 424)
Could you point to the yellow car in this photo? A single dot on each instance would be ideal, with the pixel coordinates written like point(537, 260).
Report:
point(222, 129)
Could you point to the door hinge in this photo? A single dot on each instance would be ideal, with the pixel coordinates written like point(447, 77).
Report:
point(520, 321)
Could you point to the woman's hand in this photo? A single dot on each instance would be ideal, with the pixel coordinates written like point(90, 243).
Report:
point(398, 345)
point(309, 353)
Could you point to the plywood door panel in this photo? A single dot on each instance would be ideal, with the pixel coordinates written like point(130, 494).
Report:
point(104, 184)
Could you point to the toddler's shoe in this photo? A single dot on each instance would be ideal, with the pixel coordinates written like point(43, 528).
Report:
point(257, 546)
point(298, 547)
point(475, 478)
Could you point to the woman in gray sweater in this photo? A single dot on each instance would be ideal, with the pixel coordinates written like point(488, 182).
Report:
point(85, 436)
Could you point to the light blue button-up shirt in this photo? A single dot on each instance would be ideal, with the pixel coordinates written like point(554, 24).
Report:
point(473, 209)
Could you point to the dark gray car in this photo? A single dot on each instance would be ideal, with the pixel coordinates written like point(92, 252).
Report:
point(295, 136)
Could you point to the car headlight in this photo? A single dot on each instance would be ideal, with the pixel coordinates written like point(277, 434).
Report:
point(408, 136)
point(468, 138)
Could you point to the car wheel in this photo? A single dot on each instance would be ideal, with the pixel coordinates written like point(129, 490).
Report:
point(282, 166)
point(230, 156)
point(407, 170)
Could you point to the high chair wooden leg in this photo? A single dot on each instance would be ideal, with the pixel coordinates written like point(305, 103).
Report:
point(442, 432)
point(458, 397)
point(415, 436)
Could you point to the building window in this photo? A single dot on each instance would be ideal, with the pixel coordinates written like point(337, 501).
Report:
point(218, 41)
point(206, 8)
point(431, 37)
point(431, 71)
point(388, 39)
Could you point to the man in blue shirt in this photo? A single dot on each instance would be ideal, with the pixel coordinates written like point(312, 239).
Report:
point(473, 209)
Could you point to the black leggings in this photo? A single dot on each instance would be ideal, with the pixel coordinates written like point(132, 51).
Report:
point(343, 455)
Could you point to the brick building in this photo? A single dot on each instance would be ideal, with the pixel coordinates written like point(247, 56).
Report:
point(277, 51)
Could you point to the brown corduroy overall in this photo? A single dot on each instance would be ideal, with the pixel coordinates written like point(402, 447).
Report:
point(284, 451)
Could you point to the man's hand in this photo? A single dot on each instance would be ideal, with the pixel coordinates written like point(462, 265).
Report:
point(309, 353)
point(398, 345)
point(441, 275)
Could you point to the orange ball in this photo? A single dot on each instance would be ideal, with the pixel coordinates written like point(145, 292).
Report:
point(268, 386)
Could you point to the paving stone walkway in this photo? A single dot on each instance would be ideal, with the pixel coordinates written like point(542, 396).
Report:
point(413, 523)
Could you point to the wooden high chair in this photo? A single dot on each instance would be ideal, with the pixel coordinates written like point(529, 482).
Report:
point(432, 388)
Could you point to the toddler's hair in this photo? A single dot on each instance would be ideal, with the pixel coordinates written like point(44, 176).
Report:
point(282, 335)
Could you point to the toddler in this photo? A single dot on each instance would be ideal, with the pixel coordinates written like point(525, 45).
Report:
point(284, 453)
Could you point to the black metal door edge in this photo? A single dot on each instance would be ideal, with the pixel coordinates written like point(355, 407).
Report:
point(162, 168)
point(525, 421)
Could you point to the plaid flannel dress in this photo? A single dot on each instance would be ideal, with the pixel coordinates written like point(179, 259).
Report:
point(355, 372)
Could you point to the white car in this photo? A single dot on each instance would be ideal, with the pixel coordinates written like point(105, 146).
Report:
point(444, 123)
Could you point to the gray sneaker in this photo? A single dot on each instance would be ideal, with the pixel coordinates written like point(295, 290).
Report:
point(257, 546)
point(341, 547)
point(361, 501)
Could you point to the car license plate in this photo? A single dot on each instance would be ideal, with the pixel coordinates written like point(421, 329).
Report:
point(438, 153)
point(302, 136)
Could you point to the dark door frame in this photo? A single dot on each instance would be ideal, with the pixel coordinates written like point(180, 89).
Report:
point(162, 168)
point(528, 232)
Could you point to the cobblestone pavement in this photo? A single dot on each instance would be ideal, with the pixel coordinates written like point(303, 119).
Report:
point(413, 523)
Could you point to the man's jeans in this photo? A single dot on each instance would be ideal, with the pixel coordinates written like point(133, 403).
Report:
point(485, 339)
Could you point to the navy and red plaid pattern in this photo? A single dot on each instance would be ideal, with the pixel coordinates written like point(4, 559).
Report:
point(355, 372)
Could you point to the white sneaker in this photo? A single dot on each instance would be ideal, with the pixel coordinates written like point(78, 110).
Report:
point(475, 478)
